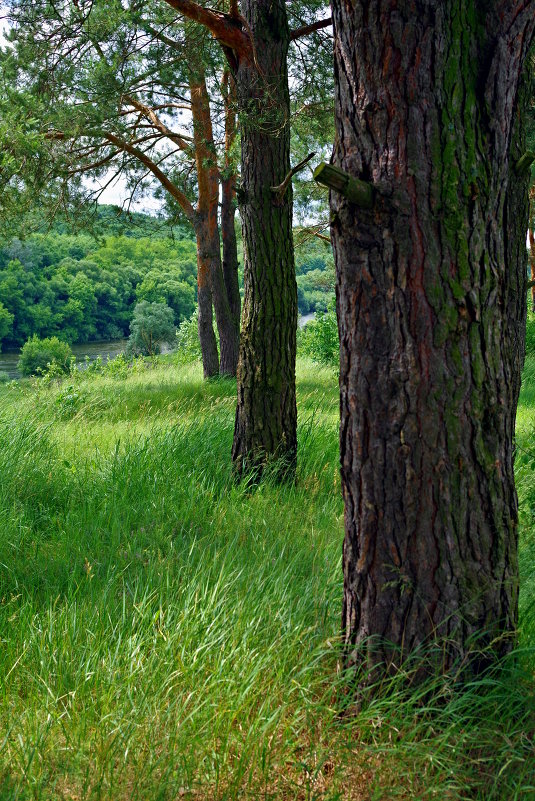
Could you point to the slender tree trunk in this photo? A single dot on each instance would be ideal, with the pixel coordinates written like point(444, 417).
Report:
point(431, 303)
point(266, 410)
point(209, 354)
point(532, 266)
point(532, 244)
point(228, 201)
point(207, 214)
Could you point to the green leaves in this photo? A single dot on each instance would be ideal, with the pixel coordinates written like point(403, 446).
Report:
point(151, 326)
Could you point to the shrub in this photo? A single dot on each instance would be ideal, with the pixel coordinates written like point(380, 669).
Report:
point(319, 338)
point(187, 340)
point(4, 377)
point(37, 354)
point(151, 326)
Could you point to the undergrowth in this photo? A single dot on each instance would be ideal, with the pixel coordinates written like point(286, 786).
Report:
point(168, 634)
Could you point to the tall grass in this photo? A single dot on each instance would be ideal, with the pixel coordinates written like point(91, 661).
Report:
point(168, 634)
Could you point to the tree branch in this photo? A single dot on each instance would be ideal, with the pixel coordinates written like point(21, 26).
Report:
point(150, 114)
point(280, 190)
point(306, 29)
point(184, 202)
point(227, 29)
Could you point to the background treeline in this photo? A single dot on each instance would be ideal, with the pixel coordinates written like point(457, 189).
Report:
point(314, 267)
point(83, 287)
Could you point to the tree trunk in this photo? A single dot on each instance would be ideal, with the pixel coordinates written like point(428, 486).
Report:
point(207, 212)
point(532, 245)
point(431, 305)
point(209, 355)
point(228, 201)
point(266, 412)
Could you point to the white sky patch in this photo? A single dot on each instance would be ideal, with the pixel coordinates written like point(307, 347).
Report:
point(118, 194)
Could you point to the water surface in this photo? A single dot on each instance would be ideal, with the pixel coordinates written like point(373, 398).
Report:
point(107, 350)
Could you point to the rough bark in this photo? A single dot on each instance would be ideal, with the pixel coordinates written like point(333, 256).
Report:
point(266, 411)
point(431, 305)
point(532, 245)
point(207, 214)
point(256, 46)
point(228, 201)
point(205, 326)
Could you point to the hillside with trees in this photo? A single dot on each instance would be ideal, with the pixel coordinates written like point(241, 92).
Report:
point(85, 287)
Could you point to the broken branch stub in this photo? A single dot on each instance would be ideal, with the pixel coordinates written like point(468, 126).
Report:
point(356, 191)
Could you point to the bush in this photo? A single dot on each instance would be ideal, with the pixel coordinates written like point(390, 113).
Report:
point(152, 325)
point(319, 338)
point(4, 377)
point(187, 340)
point(37, 354)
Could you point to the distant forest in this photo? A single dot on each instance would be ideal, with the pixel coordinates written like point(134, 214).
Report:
point(83, 287)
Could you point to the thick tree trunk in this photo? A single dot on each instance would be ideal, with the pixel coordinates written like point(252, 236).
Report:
point(431, 303)
point(207, 213)
point(228, 201)
point(266, 412)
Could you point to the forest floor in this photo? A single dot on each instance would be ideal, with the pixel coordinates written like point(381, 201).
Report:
point(167, 634)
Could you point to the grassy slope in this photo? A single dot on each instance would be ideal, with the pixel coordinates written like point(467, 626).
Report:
point(167, 634)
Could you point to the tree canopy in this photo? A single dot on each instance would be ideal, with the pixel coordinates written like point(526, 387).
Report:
point(81, 288)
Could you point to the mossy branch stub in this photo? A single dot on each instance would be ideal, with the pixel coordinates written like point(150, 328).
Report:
point(356, 191)
point(523, 165)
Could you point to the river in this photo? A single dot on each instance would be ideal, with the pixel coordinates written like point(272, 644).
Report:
point(107, 350)
point(303, 319)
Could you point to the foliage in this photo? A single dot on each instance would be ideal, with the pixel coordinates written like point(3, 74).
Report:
point(84, 289)
point(319, 338)
point(314, 266)
point(37, 354)
point(94, 71)
point(6, 322)
point(152, 325)
point(164, 286)
point(151, 606)
point(530, 334)
point(4, 377)
point(187, 340)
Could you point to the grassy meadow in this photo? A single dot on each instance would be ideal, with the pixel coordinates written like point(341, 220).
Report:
point(167, 634)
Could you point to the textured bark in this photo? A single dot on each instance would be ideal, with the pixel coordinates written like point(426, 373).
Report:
point(209, 354)
point(207, 224)
point(228, 201)
point(532, 244)
point(431, 304)
point(266, 410)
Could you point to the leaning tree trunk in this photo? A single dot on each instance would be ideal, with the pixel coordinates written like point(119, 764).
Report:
point(266, 415)
point(431, 294)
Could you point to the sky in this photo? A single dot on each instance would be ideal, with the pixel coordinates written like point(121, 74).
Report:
point(116, 193)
